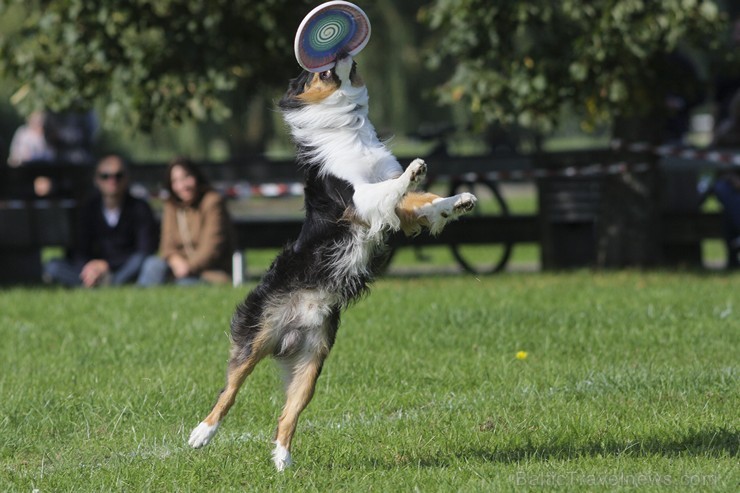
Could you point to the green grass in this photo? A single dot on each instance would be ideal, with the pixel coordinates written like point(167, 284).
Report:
point(631, 379)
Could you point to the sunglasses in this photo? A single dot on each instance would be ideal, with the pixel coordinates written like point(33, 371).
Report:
point(108, 176)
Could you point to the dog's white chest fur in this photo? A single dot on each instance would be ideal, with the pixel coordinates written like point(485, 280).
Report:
point(341, 139)
point(352, 258)
point(342, 142)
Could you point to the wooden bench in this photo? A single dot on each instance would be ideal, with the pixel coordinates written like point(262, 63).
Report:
point(26, 227)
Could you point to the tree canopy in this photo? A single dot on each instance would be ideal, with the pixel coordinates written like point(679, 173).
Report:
point(146, 62)
point(140, 63)
point(518, 62)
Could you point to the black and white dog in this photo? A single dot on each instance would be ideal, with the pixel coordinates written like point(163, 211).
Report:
point(356, 193)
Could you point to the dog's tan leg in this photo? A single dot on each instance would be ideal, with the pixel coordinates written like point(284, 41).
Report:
point(301, 383)
point(407, 212)
point(417, 210)
point(238, 371)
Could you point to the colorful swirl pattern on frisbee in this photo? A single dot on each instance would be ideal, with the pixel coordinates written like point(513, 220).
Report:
point(329, 30)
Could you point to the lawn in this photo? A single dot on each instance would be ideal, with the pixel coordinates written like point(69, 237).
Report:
point(621, 380)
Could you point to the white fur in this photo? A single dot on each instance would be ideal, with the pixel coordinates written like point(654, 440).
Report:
point(306, 308)
point(342, 139)
point(343, 142)
point(446, 209)
point(351, 258)
point(376, 202)
point(281, 457)
point(202, 434)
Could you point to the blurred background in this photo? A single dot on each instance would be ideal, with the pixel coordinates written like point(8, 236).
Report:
point(201, 78)
point(479, 88)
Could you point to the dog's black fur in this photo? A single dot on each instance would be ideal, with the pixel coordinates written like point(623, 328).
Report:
point(303, 263)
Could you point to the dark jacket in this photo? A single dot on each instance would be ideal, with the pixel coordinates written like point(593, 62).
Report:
point(136, 232)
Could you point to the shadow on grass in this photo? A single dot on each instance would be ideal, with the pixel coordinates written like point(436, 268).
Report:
point(702, 443)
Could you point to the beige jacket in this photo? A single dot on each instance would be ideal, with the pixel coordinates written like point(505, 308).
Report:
point(208, 224)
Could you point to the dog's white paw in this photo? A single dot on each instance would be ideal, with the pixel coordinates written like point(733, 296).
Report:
point(444, 210)
point(281, 457)
point(465, 203)
point(417, 172)
point(202, 434)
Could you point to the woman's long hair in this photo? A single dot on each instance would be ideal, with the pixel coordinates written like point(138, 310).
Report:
point(202, 183)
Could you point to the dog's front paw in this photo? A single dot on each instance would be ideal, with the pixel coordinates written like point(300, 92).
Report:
point(417, 172)
point(202, 434)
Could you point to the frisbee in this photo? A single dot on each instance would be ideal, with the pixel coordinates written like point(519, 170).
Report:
point(329, 30)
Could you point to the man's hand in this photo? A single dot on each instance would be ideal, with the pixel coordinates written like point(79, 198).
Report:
point(93, 272)
point(179, 266)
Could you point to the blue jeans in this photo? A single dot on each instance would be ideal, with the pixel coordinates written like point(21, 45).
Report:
point(156, 271)
point(67, 272)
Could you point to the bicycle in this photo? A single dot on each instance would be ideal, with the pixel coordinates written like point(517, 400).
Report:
point(491, 202)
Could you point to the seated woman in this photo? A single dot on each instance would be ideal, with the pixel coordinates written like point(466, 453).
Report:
point(197, 240)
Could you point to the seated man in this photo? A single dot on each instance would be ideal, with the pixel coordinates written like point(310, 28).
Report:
point(727, 189)
point(116, 232)
point(727, 184)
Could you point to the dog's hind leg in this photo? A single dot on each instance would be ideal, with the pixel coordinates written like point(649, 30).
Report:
point(407, 211)
point(301, 376)
point(239, 369)
point(431, 211)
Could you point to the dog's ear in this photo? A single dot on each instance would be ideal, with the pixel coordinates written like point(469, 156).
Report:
point(295, 88)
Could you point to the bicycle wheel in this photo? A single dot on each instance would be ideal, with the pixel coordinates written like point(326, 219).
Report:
point(482, 259)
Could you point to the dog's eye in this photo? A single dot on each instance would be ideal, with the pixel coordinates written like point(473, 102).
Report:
point(326, 75)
